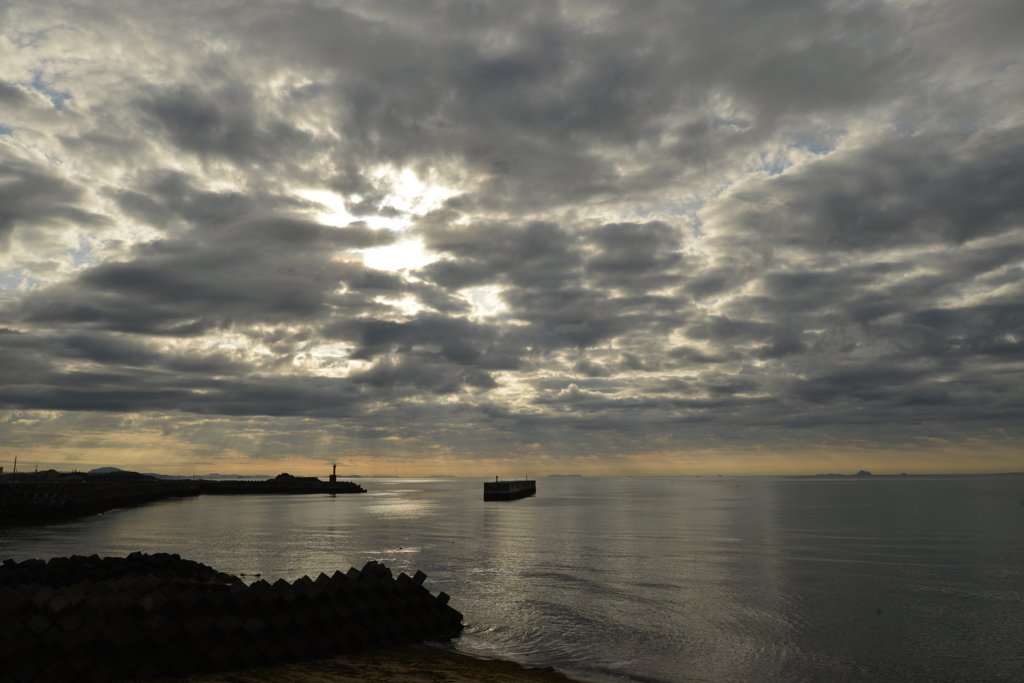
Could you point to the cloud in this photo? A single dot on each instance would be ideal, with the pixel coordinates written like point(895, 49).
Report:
point(13, 96)
point(596, 229)
point(267, 270)
point(33, 198)
point(221, 123)
point(950, 187)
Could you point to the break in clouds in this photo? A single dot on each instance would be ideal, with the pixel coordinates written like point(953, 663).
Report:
point(480, 228)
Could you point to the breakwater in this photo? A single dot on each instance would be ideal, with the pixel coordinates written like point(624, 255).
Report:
point(67, 571)
point(27, 502)
point(293, 486)
point(148, 626)
point(509, 490)
point(40, 500)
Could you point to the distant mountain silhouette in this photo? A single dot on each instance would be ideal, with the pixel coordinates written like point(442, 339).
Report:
point(117, 471)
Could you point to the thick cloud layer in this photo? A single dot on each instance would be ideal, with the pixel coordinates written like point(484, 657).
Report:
point(585, 230)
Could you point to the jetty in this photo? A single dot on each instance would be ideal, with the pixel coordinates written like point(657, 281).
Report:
point(282, 483)
point(51, 495)
point(509, 490)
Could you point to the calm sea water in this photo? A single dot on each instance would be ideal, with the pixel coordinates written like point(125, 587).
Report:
point(649, 579)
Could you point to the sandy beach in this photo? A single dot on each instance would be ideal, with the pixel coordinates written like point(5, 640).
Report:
point(403, 664)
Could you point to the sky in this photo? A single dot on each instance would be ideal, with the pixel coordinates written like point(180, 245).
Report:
point(512, 238)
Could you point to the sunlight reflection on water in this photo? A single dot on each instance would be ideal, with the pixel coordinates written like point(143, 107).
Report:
point(724, 579)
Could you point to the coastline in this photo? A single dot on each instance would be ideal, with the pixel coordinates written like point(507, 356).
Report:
point(412, 663)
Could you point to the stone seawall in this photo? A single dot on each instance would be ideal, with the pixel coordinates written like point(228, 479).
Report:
point(40, 501)
point(145, 627)
point(29, 502)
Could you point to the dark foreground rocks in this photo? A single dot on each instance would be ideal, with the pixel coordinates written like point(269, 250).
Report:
point(144, 627)
point(68, 571)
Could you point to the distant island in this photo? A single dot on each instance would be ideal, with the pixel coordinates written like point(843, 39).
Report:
point(565, 475)
point(862, 473)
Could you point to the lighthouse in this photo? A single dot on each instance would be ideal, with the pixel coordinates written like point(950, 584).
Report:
point(334, 474)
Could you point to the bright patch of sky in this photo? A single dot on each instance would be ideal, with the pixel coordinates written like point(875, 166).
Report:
point(11, 279)
point(407, 304)
point(330, 360)
point(486, 300)
point(411, 194)
point(56, 97)
point(334, 212)
point(408, 195)
point(406, 254)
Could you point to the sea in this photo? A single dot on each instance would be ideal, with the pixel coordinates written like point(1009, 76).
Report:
point(654, 579)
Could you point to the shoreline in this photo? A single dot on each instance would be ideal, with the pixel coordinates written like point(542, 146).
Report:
point(411, 663)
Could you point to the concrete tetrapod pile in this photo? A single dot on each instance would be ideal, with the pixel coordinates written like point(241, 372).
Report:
point(145, 627)
point(43, 501)
point(65, 571)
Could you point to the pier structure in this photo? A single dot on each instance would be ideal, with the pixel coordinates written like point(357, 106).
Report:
point(509, 490)
point(39, 496)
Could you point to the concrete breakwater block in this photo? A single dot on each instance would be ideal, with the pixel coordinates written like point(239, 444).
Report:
point(63, 571)
point(150, 626)
point(34, 501)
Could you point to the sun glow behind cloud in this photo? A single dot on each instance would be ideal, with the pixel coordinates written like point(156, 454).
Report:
point(407, 197)
point(485, 300)
point(334, 212)
point(406, 254)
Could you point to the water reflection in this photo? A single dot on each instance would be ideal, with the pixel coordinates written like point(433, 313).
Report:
point(662, 579)
point(398, 503)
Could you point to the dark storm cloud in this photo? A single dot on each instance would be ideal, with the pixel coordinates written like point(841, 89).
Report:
point(221, 123)
point(154, 391)
point(161, 197)
point(950, 187)
point(966, 332)
point(33, 196)
point(534, 255)
point(634, 249)
point(696, 223)
point(270, 270)
point(455, 340)
point(557, 278)
point(543, 111)
point(411, 377)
